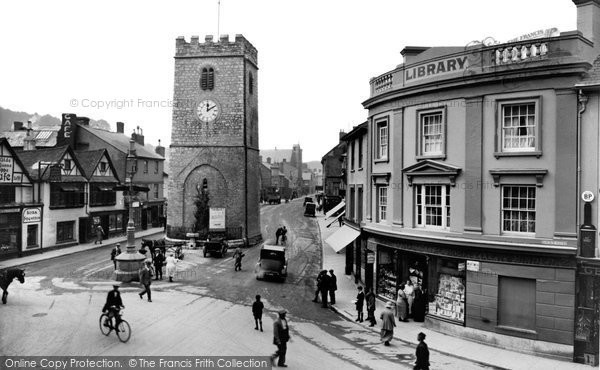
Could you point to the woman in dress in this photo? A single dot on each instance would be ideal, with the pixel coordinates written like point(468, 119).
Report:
point(171, 261)
point(418, 307)
point(401, 305)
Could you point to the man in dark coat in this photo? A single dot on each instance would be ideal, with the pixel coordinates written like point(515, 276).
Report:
point(159, 259)
point(113, 305)
point(281, 335)
point(114, 253)
point(360, 299)
point(325, 283)
point(370, 297)
point(318, 290)
point(422, 354)
point(146, 280)
point(332, 286)
point(278, 234)
point(257, 310)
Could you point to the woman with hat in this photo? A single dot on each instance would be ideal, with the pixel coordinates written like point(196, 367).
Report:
point(387, 324)
point(171, 261)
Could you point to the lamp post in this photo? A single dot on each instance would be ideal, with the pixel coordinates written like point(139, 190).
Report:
point(129, 263)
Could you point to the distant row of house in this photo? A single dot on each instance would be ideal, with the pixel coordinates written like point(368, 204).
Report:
point(58, 184)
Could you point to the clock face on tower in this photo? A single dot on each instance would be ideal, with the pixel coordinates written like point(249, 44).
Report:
point(208, 110)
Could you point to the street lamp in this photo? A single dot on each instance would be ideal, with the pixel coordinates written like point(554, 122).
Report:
point(129, 263)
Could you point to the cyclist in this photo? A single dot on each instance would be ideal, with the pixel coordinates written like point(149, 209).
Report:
point(113, 305)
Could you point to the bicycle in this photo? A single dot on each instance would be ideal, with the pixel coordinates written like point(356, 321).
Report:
point(106, 326)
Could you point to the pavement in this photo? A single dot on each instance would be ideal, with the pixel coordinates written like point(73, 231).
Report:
point(53, 253)
point(406, 332)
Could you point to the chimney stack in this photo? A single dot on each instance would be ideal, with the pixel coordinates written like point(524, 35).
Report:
point(84, 121)
point(120, 128)
point(139, 136)
point(29, 140)
point(160, 150)
point(588, 21)
point(342, 134)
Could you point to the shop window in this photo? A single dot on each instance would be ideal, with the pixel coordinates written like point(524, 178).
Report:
point(207, 79)
point(433, 206)
point(516, 302)
point(387, 270)
point(382, 203)
point(432, 133)
point(67, 195)
point(67, 165)
point(518, 209)
point(449, 300)
point(65, 231)
point(7, 194)
point(32, 236)
point(381, 140)
point(10, 228)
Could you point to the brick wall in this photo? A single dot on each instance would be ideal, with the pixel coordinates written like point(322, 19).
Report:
point(555, 299)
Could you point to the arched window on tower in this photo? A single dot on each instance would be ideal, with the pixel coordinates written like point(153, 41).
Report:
point(207, 78)
point(250, 83)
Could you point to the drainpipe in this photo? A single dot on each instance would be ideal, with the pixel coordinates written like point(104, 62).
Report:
point(582, 100)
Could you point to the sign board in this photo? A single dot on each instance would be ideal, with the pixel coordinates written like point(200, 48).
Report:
point(216, 217)
point(68, 120)
point(31, 215)
point(539, 34)
point(473, 266)
point(370, 257)
point(6, 169)
point(461, 266)
point(135, 204)
point(436, 69)
point(55, 174)
point(587, 196)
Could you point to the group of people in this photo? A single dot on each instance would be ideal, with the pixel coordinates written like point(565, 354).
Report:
point(326, 285)
point(281, 233)
point(410, 302)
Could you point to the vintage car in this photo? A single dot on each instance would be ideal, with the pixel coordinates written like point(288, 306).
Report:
point(310, 209)
point(214, 247)
point(308, 200)
point(272, 263)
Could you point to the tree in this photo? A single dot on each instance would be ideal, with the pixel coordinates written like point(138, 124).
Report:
point(201, 214)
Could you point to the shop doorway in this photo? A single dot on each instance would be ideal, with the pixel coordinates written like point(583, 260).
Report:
point(83, 227)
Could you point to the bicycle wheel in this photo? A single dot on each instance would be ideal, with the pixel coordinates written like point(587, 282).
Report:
point(124, 332)
point(103, 320)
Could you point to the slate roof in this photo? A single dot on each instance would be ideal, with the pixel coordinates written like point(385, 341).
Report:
point(30, 159)
point(121, 142)
point(43, 138)
point(592, 77)
point(88, 159)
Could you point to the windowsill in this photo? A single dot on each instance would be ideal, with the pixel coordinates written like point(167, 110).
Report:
point(518, 234)
point(535, 153)
point(528, 333)
point(435, 156)
point(66, 207)
point(352, 171)
point(103, 205)
point(433, 228)
point(381, 160)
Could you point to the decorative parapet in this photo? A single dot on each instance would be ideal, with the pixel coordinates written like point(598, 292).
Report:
point(223, 47)
point(383, 83)
point(522, 52)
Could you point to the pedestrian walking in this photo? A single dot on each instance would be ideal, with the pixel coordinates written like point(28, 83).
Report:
point(281, 335)
point(387, 324)
point(146, 280)
point(283, 236)
point(159, 259)
point(325, 283)
point(257, 310)
point(401, 305)
point(99, 234)
point(409, 290)
point(238, 259)
point(360, 300)
point(171, 267)
point(114, 253)
point(332, 286)
point(318, 290)
point(419, 303)
point(422, 353)
point(278, 235)
point(370, 297)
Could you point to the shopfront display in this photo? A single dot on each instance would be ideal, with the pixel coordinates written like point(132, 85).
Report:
point(387, 270)
point(449, 299)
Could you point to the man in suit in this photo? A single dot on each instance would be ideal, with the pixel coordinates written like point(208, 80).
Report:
point(114, 253)
point(281, 335)
point(146, 280)
point(113, 305)
point(325, 282)
point(422, 354)
point(332, 286)
point(159, 259)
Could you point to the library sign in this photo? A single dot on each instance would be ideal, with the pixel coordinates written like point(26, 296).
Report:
point(440, 68)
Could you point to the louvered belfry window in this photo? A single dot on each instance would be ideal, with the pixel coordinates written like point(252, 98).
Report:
point(207, 79)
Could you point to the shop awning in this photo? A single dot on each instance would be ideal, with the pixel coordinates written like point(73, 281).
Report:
point(334, 210)
point(336, 218)
point(341, 238)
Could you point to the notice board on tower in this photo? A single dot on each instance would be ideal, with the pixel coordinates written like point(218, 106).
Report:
point(216, 217)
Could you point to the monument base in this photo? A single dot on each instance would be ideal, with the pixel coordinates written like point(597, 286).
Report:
point(128, 266)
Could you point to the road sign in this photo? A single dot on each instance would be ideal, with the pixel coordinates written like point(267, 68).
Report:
point(587, 196)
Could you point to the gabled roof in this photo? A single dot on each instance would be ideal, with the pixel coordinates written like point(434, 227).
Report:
point(31, 158)
point(4, 141)
point(89, 160)
point(121, 142)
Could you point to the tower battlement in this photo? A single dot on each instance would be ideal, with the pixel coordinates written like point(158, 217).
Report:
point(211, 48)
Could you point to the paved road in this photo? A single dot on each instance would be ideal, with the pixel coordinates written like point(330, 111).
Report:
point(205, 311)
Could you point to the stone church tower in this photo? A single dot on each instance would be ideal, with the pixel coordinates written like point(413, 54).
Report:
point(214, 137)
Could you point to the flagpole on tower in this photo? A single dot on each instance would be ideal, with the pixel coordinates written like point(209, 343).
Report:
point(219, 20)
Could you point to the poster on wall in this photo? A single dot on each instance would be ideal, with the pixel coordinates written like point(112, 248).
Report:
point(216, 218)
point(450, 298)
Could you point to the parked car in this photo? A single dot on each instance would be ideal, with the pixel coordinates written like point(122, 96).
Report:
point(215, 247)
point(310, 209)
point(272, 263)
point(308, 200)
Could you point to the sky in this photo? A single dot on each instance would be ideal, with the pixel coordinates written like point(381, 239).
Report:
point(113, 60)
